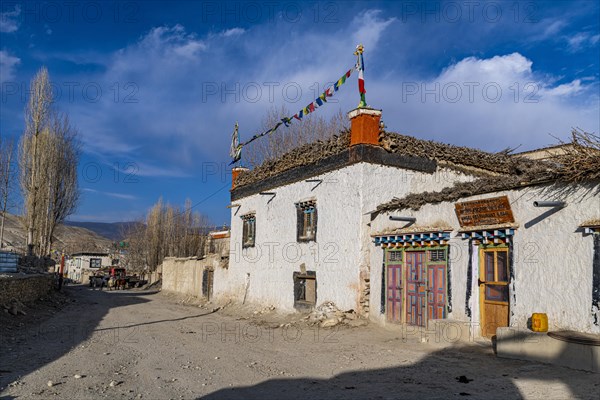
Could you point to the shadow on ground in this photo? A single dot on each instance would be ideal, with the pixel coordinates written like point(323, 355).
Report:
point(39, 343)
point(449, 373)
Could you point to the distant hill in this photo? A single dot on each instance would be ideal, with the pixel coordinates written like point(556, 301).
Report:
point(111, 230)
point(114, 230)
point(70, 239)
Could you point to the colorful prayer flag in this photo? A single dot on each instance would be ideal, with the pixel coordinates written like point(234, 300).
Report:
point(360, 66)
point(236, 147)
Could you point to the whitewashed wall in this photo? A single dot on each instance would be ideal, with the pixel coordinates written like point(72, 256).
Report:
point(75, 267)
point(552, 259)
point(343, 238)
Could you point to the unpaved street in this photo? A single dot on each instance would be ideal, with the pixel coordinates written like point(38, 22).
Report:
point(128, 345)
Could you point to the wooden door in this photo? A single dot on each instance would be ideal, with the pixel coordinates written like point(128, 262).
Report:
point(493, 289)
point(207, 283)
point(394, 285)
point(436, 301)
point(415, 287)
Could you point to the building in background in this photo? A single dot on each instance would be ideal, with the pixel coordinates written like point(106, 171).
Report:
point(81, 265)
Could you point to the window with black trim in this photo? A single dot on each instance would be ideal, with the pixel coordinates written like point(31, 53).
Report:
point(438, 255)
point(395, 256)
point(248, 230)
point(305, 289)
point(95, 262)
point(306, 221)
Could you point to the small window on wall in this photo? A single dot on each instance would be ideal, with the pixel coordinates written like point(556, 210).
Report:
point(305, 289)
point(306, 221)
point(437, 255)
point(95, 262)
point(395, 256)
point(248, 230)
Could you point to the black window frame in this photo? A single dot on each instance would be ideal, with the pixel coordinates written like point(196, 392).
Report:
point(301, 280)
point(248, 230)
point(306, 221)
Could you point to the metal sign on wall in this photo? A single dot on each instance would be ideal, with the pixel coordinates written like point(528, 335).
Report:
point(492, 211)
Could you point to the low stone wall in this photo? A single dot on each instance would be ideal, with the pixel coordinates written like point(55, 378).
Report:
point(184, 275)
point(25, 288)
point(532, 346)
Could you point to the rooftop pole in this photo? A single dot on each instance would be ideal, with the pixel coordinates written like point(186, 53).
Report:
point(360, 66)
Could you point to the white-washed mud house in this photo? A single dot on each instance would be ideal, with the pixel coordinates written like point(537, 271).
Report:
point(406, 231)
point(81, 265)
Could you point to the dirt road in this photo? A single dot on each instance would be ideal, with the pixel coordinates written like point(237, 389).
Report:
point(131, 345)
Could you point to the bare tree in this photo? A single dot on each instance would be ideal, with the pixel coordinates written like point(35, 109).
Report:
point(310, 129)
point(155, 235)
point(37, 114)
point(7, 179)
point(168, 231)
point(136, 248)
point(62, 192)
point(48, 158)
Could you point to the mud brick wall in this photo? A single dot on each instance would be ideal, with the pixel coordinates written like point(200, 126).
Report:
point(24, 288)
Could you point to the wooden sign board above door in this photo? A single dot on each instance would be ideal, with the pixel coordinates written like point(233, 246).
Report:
point(493, 211)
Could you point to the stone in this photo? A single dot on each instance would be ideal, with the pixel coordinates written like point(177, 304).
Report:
point(50, 383)
point(77, 376)
point(350, 315)
point(328, 323)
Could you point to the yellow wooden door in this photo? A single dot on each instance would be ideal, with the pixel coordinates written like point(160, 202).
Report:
point(493, 289)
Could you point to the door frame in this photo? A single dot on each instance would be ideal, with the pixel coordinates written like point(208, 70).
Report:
point(483, 248)
point(387, 264)
point(423, 282)
point(404, 272)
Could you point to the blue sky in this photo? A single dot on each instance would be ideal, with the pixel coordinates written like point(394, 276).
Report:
point(154, 88)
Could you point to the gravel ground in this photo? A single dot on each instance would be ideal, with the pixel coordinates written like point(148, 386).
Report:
point(132, 345)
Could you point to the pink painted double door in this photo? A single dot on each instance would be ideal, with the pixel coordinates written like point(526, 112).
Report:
point(424, 291)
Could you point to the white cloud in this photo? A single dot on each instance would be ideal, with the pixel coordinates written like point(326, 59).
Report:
point(110, 216)
point(121, 196)
point(566, 89)
point(233, 32)
point(8, 20)
point(190, 49)
point(174, 126)
point(552, 27)
point(146, 169)
point(8, 66)
point(581, 41)
point(370, 26)
point(496, 69)
point(489, 103)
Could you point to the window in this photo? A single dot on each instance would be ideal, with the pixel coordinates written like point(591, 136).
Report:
point(95, 262)
point(248, 230)
point(395, 256)
point(496, 274)
point(437, 255)
point(307, 221)
point(305, 289)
